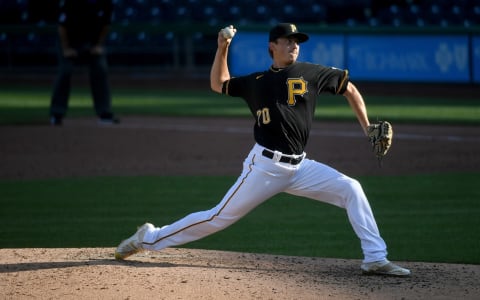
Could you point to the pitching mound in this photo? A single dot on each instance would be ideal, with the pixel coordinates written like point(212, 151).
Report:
point(92, 273)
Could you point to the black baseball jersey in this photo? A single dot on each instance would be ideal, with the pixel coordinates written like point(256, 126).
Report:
point(85, 19)
point(283, 101)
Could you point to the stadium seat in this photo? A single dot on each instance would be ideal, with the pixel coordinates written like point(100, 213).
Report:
point(219, 12)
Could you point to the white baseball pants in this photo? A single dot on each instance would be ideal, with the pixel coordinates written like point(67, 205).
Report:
point(263, 178)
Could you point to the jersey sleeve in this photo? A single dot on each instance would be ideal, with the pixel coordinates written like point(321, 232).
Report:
point(236, 86)
point(342, 87)
point(335, 81)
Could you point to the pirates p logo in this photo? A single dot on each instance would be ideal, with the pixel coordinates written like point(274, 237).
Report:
point(295, 86)
point(293, 28)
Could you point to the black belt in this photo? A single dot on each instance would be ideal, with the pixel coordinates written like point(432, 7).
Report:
point(284, 159)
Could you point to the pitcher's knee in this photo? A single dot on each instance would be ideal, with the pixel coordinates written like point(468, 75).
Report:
point(352, 190)
point(351, 186)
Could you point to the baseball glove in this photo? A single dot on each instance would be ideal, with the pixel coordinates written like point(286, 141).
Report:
point(380, 136)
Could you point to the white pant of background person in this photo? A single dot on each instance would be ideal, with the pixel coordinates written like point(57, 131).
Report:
point(263, 178)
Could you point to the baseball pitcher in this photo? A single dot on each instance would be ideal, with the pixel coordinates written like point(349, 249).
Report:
point(282, 102)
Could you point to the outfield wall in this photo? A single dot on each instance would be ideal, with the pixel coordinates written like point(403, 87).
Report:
point(380, 54)
point(453, 58)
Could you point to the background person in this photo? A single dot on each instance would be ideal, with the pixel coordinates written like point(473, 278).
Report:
point(83, 27)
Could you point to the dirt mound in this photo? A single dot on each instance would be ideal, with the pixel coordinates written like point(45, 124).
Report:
point(92, 273)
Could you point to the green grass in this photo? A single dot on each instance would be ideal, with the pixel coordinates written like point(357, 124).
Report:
point(422, 218)
point(408, 110)
point(23, 106)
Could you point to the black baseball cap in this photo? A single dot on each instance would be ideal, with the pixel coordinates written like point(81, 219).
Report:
point(287, 30)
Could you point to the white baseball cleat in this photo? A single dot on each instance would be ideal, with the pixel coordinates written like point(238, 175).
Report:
point(133, 244)
point(384, 267)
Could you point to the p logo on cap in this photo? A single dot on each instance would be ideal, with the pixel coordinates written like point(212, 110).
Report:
point(287, 30)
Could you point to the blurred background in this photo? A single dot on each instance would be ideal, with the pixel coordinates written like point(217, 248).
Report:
point(395, 41)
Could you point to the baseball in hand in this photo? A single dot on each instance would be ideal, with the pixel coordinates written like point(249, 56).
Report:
point(228, 32)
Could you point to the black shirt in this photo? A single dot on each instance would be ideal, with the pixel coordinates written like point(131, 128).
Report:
point(283, 101)
point(84, 20)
